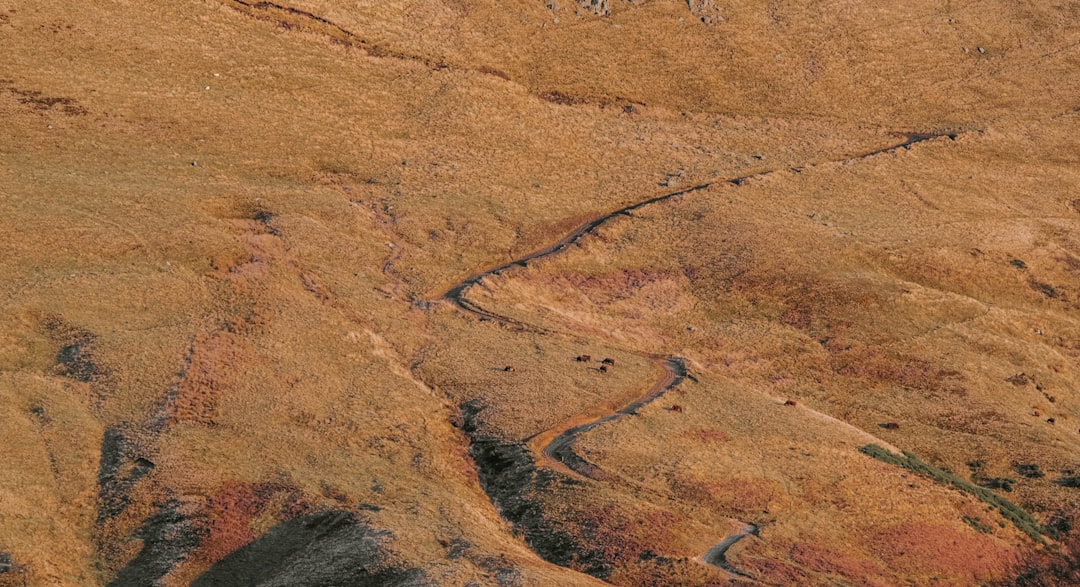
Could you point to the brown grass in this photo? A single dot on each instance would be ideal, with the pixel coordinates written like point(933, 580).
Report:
point(226, 224)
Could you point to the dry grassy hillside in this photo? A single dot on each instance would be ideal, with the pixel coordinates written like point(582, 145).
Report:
point(300, 293)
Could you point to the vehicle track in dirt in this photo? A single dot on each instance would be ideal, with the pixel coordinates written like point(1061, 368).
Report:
point(717, 555)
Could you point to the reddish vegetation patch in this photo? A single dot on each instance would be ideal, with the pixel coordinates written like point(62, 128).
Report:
point(1037, 568)
point(824, 560)
point(797, 317)
point(814, 307)
point(737, 495)
point(557, 97)
point(743, 495)
point(230, 511)
point(775, 572)
point(884, 366)
point(216, 364)
point(707, 435)
point(619, 285)
point(495, 72)
point(918, 548)
point(666, 572)
point(608, 534)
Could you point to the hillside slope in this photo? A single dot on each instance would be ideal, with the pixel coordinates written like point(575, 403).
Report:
point(296, 293)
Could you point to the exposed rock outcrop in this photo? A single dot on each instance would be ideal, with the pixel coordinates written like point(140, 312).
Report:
point(705, 10)
point(598, 7)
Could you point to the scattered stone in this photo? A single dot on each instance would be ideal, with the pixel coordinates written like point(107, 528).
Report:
point(671, 179)
point(597, 7)
point(1019, 379)
point(705, 11)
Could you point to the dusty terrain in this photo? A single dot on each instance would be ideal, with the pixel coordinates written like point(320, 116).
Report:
point(300, 293)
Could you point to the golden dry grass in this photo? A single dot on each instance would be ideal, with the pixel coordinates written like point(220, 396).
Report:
point(227, 224)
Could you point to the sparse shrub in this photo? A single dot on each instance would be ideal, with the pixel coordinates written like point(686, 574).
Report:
point(1043, 568)
point(1030, 471)
point(1002, 483)
point(1068, 482)
point(977, 524)
point(1010, 511)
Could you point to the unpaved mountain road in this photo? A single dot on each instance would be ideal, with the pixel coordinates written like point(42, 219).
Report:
point(559, 449)
point(456, 293)
point(717, 555)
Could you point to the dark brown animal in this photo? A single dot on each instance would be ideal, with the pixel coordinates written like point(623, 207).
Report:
point(677, 408)
point(1049, 420)
point(583, 358)
point(608, 362)
point(789, 402)
point(890, 425)
point(603, 368)
point(508, 368)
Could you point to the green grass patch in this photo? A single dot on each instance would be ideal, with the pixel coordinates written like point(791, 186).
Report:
point(977, 524)
point(1010, 511)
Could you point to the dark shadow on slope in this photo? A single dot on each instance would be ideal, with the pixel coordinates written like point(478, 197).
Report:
point(327, 549)
point(119, 470)
point(168, 538)
point(514, 484)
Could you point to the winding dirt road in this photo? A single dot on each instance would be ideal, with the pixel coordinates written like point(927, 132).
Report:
point(557, 443)
point(717, 555)
point(456, 294)
point(560, 446)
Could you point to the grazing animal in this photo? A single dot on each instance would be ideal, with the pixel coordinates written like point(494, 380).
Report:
point(609, 362)
point(789, 402)
point(583, 358)
point(508, 368)
point(603, 368)
point(1049, 420)
point(890, 426)
point(677, 408)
